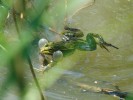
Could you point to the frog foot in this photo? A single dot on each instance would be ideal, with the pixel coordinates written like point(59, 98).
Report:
point(104, 44)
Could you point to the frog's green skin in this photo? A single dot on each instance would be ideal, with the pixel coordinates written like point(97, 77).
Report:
point(69, 46)
point(72, 43)
point(72, 33)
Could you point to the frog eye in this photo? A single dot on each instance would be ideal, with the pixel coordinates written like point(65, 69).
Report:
point(57, 55)
point(42, 42)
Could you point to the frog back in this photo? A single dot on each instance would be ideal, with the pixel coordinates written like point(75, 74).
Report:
point(67, 47)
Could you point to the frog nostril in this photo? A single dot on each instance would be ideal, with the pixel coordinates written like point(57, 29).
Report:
point(42, 42)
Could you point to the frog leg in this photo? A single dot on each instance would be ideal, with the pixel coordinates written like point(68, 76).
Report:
point(100, 41)
point(41, 66)
point(41, 61)
point(45, 62)
point(89, 44)
point(86, 45)
point(52, 59)
point(48, 61)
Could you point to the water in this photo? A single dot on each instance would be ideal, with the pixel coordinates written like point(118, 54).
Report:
point(113, 19)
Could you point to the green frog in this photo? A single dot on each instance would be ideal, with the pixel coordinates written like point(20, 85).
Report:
point(52, 52)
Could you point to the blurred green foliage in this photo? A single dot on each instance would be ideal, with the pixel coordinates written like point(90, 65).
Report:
point(20, 26)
